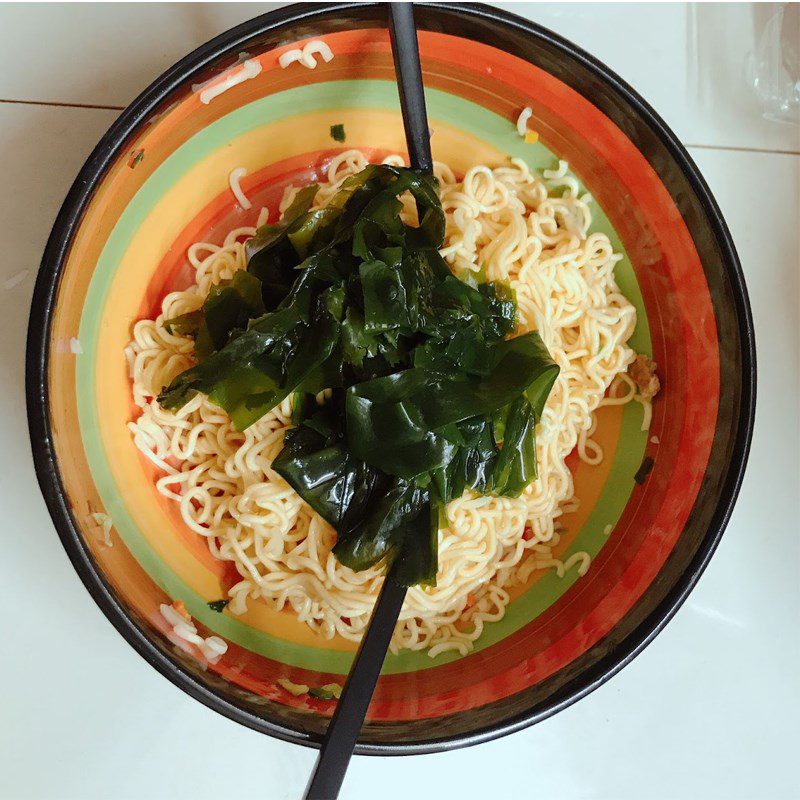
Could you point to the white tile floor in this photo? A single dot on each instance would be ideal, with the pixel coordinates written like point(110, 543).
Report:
point(708, 711)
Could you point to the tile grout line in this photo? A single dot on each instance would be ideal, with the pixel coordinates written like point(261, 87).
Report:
point(54, 104)
point(734, 149)
point(729, 148)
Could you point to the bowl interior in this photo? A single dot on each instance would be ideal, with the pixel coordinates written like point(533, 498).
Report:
point(165, 185)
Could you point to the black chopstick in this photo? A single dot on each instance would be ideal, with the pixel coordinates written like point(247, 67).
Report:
point(405, 49)
point(348, 718)
point(351, 710)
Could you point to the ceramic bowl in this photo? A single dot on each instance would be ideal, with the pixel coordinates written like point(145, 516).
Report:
point(158, 181)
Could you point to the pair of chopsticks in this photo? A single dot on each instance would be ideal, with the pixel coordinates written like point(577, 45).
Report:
point(351, 710)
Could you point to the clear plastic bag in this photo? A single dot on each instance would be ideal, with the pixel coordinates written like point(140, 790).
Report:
point(773, 67)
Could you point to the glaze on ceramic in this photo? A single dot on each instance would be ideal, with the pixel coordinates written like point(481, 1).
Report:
point(158, 181)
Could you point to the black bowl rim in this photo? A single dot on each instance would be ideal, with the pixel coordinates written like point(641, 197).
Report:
point(37, 362)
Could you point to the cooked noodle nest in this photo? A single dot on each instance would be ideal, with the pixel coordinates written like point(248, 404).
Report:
point(504, 223)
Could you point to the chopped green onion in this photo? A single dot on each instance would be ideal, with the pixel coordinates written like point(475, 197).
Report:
point(321, 693)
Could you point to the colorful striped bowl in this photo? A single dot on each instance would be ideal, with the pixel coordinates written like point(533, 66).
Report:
point(158, 181)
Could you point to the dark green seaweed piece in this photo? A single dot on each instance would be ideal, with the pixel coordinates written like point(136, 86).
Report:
point(429, 395)
point(645, 468)
point(271, 257)
point(396, 423)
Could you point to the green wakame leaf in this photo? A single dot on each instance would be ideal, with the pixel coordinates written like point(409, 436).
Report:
point(429, 398)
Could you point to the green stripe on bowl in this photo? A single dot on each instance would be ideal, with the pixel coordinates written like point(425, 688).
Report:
point(469, 117)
